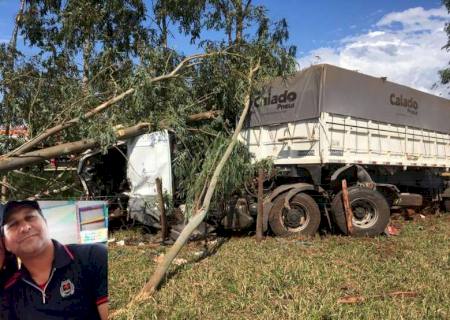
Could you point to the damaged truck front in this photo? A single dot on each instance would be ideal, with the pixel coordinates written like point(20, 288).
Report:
point(126, 176)
point(324, 124)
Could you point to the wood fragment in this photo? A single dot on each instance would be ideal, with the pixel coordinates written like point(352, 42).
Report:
point(208, 115)
point(351, 299)
point(361, 299)
point(347, 208)
point(162, 210)
point(259, 218)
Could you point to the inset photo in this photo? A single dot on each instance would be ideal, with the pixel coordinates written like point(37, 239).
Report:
point(54, 261)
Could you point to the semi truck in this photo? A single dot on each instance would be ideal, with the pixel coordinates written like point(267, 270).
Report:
point(320, 126)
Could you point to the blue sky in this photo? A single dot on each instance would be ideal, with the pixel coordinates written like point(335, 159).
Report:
point(318, 23)
point(400, 39)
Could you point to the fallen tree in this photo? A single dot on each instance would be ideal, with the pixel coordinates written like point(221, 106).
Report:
point(34, 157)
point(200, 213)
point(30, 158)
point(151, 286)
point(185, 63)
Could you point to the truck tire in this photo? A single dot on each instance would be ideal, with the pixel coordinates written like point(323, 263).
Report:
point(302, 219)
point(371, 212)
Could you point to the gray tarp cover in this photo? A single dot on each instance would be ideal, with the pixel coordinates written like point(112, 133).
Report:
point(327, 88)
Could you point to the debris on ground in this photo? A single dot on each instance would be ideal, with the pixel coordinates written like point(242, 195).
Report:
point(199, 253)
point(159, 259)
point(361, 299)
point(351, 299)
point(179, 261)
point(410, 213)
point(392, 230)
point(120, 243)
point(198, 234)
point(214, 242)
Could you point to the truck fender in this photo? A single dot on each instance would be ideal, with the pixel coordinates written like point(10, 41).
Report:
point(292, 190)
point(362, 176)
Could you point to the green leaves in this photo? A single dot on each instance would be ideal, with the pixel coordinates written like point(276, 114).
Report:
point(85, 52)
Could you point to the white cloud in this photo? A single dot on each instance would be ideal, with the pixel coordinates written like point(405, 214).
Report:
point(403, 46)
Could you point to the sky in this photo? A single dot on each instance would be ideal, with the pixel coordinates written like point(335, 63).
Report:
point(397, 39)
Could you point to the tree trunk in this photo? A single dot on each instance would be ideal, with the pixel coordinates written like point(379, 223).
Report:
point(239, 21)
point(164, 30)
point(27, 159)
point(87, 50)
point(162, 209)
point(4, 189)
point(347, 208)
point(259, 218)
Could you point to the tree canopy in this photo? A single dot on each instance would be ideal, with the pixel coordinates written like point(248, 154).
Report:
point(445, 73)
point(82, 53)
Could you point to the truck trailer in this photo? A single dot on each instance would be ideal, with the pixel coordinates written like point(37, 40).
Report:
point(324, 124)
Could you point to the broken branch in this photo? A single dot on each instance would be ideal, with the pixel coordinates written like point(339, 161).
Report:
point(204, 115)
point(347, 208)
point(33, 157)
point(195, 221)
point(60, 127)
point(50, 192)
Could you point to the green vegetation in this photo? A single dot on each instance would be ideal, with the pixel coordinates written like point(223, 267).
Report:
point(292, 278)
point(83, 53)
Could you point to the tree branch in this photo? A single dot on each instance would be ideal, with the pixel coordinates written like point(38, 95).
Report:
point(27, 159)
point(195, 221)
point(49, 132)
point(204, 115)
point(49, 192)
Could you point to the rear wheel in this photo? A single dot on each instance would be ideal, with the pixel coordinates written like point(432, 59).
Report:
point(302, 219)
point(371, 212)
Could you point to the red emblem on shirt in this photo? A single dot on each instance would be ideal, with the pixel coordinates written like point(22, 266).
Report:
point(67, 288)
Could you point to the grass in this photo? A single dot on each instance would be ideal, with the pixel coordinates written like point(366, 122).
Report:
point(293, 278)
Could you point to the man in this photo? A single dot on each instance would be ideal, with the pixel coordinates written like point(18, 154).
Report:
point(55, 281)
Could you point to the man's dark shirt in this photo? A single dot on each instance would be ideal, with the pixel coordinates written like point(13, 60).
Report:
point(76, 286)
point(9, 268)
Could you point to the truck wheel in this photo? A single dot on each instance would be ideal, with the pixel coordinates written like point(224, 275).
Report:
point(302, 219)
point(371, 212)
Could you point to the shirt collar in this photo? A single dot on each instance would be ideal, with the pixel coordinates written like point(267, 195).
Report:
point(63, 256)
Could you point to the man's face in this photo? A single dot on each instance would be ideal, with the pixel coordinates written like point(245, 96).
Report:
point(26, 232)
